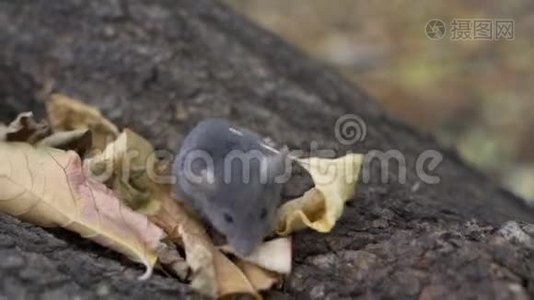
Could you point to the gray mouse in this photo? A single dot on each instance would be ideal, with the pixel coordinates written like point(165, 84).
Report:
point(230, 176)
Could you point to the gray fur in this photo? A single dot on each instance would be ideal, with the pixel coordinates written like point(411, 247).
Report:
point(239, 203)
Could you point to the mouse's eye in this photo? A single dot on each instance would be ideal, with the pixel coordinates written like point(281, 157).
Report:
point(228, 218)
point(263, 213)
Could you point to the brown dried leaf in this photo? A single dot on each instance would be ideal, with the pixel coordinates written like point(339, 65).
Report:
point(170, 258)
point(66, 114)
point(51, 190)
point(181, 228)
point(24, 129)
point(76, 140)
point(260, 278)
point(231, 280)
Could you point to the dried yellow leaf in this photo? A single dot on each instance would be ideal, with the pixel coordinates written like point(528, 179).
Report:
point(66, 114)
point(231, 280)
point(320, 207)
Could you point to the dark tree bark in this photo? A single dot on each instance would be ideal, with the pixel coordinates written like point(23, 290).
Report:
point(161, 66)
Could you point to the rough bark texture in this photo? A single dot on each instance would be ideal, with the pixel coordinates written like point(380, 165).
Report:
point(160, 66)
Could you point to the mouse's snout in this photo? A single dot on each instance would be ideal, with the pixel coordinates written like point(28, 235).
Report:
point(245, 245)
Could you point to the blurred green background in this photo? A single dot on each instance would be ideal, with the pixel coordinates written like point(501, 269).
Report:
point(475, 95)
